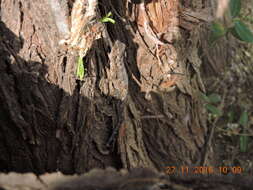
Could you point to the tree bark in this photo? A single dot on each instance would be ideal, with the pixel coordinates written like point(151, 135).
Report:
point(137, 106)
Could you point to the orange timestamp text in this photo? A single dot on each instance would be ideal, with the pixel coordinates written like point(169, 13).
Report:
point(203, 170)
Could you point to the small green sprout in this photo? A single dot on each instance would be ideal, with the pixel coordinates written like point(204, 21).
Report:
point(80, 69)
point(107, 18)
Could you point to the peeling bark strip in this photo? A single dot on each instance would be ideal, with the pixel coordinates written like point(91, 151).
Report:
point(158, 24)
point(85, 27)
point(151, 34)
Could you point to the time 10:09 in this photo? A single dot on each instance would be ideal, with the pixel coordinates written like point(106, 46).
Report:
point(211, 170)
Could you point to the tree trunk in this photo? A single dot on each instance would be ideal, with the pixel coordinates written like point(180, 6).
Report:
point(137, 105)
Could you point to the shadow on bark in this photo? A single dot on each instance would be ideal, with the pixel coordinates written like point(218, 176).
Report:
point(50, 121)
point(33, 138)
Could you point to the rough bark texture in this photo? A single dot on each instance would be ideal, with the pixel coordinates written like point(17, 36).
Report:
point(137, 106)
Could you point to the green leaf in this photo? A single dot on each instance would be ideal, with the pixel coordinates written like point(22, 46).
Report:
point(109, 14)
point(214, 98)
point(235, 7)
point(244, 119)
point(234, 33)
point(109, 20)
point(243, 143)
point(242, 32)
point(204, 97)
point(217, 31)
point(214, 110)
point(80, 69)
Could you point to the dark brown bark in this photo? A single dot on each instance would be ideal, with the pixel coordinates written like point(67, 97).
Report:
point(51, 121)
